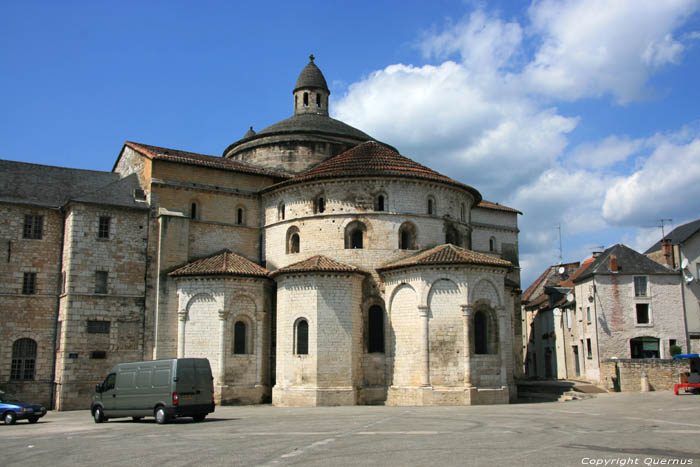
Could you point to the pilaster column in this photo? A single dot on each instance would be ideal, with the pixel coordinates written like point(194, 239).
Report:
point(181, 321)
point(223, 316)
point(502, 342)
point(424, 312)
point(467, 312)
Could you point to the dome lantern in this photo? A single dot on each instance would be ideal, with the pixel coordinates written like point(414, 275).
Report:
point(311, 91)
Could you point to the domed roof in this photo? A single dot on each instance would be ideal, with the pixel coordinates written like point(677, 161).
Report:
point(314, 123)
point(311, 77)
point(373, 159)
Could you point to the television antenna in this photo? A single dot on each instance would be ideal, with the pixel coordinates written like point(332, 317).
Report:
point(661, 224)
point(561, 251)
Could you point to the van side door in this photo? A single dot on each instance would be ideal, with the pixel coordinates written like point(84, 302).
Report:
point(109, 393)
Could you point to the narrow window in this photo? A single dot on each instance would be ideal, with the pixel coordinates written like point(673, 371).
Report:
point(642, 313)
point(492, 244)
point(380, 203)
point(375, 331)
point(463, 213)
point(302, 338)
point(430, 206)
point(33, 227)
point(63, 282)
point(23, 360)
point(103, 229)
point(480, 333)
point(588, 314)
point(294, 245)
point(306, 99)
point(98, 327)
point(29, 283)
point(280, 212)
point(640, 286)
point(589, 348)
point(101, 282)
point(193, 211)
point(239, 337)
point(318, 100)
point(321, 204)
point(239, 216)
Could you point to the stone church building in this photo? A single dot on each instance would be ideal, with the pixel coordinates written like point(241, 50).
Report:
point(311, 264)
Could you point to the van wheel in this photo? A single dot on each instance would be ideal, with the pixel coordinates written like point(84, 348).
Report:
point(161, 416)
point(9, 418)
point(199, 417)
point(99, 415)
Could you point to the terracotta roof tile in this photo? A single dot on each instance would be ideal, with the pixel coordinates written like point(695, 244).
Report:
point(498, 207)
point(318, 263)
point(373, 159)
point(191, 158)
point(225, 263)
point(446, 254)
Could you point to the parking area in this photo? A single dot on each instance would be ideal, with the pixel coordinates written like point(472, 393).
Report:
point(635, 429)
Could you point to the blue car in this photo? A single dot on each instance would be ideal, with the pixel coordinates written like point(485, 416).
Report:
point(12, 409)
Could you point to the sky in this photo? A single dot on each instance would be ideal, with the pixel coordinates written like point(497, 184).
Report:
point(582, 114)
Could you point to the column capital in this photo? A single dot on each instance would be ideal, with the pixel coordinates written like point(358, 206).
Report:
point(467, 310)
point(423, 310)
point(223, 315)
point(182, 315)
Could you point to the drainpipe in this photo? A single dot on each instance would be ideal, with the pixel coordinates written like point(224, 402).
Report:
point(685, 316)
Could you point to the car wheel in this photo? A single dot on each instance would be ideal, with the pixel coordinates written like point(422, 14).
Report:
point(33, 419)
point(99, 415)
point(161, 416)
point(136, 419)
point(9, 418)
point(199, 417)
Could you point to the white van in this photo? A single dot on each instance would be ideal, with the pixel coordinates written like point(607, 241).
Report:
point(164, 389)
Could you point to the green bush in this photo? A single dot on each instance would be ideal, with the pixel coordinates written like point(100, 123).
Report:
point(676, 350)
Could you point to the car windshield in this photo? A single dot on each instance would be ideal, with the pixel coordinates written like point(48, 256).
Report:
point(5, 397)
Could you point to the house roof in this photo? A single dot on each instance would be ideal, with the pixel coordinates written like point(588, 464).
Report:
point(192, 158)
point(373, 159)
point(53, 187)
point(628, 261)
point(570, 281)
point(224, 263)
point(678, 235)
point(497, 207)
point(446, 254)
point(550, 276)
point(318, 263)
point(311, 77)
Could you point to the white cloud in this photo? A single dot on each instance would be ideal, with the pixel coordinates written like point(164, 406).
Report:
point(666, 186)
point(609, 151)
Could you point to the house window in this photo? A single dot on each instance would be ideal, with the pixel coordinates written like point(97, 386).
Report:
point(293, 240)
point(407, 236)
point(492, 244)
point(193, 211)
point(644, 347)
point(103, 229)
point(33, 227)
point(480, 333)
point(589, 349)
point(101, 282)
point(380, 203)
point(23, 360)
point(98, 354)
point(29, 283)
point(98, 327)
point(375, 330)
point(642, 310)
point(239, 338)
point(302, 338)
point(640, 286)
point(355, 234)
point(240, 216)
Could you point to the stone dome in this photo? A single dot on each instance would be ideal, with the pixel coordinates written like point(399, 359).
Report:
point(311, 78)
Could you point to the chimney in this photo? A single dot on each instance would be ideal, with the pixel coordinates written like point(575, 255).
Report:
point(613, 263)
point(667, 250)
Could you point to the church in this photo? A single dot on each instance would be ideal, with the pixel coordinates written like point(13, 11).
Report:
point(311, 264)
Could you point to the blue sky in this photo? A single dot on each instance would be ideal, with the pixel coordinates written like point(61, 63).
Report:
point(579, 113)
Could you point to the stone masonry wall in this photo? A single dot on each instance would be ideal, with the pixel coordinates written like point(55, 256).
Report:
point(662, 374)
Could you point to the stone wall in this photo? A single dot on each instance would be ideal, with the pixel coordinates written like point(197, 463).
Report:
point(662, 374)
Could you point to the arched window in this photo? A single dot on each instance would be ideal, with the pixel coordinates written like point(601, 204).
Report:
point(492, 244)
point(306, 99)
point(481, 329)
point(193, 211)
point(431, 206)
point(280, 211)
point(23, 360)
point(355, 234)
point(407, 236)
point(240, 331)
point(301, 344)
point(375, 330)
point(293, 240)
point(321, 204)
point(318, 100)
point(380, 203)
point(240, 216)
point(644, 347)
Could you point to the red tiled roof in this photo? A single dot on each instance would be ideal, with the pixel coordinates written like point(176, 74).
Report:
point(570, 281)
point(225, 263)
point(191, 158)
point(446, 254)
point(546, 275)
point(373, 159)
point(318, 263)
point(498, 207)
